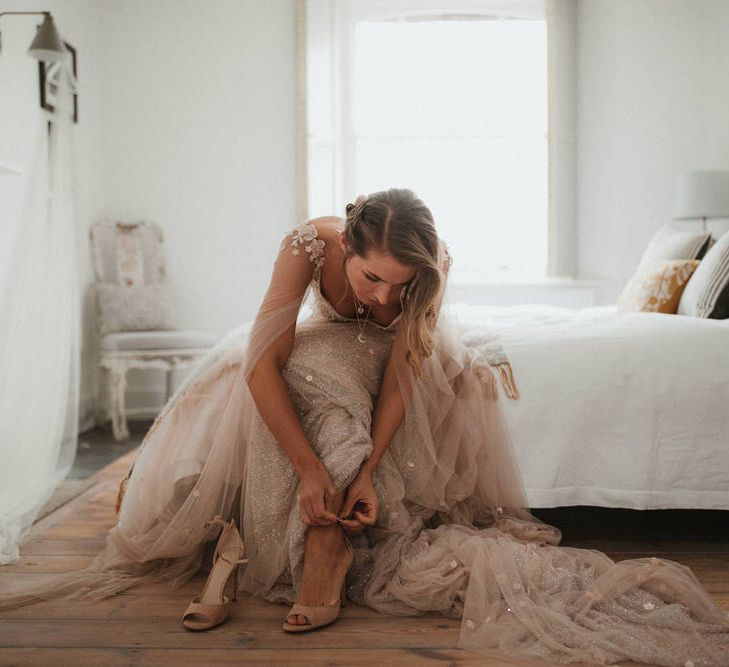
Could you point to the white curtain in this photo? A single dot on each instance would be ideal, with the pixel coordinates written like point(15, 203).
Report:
point(39, 332)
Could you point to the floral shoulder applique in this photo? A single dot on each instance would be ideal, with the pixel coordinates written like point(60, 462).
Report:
point(306, 235)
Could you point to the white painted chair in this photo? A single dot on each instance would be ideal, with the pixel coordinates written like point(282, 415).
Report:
point(132, 293)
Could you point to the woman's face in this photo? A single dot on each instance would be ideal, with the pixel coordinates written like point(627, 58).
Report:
point(378, 278)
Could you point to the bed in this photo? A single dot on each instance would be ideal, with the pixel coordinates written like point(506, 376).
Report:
point(617, 409)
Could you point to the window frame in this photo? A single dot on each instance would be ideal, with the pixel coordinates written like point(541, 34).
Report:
point(340, 18)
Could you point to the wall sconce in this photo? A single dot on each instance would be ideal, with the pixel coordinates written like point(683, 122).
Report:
point(47, 45)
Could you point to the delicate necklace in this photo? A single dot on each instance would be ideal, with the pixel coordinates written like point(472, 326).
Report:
point(361, 323)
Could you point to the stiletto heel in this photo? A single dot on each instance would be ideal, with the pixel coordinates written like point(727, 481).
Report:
point(319, 616)
point(344, 591)
point(212, 606)
point(236, 577)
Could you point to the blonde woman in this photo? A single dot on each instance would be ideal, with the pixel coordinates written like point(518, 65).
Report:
point(361, 453)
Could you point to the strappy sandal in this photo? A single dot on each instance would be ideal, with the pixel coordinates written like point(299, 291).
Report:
point(211, 608)
point(320, 615)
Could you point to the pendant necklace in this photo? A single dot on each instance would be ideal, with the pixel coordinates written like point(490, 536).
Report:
point(361, 323)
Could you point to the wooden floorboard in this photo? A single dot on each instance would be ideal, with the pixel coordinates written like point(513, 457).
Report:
point(142, 626)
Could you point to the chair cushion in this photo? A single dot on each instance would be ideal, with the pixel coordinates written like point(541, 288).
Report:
point(134, 308)
point(128, 341)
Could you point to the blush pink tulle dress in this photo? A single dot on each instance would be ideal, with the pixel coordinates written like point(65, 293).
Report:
point(454, 534)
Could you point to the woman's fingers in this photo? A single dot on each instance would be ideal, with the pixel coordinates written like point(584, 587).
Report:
point(349, 504)
point(326, 518)
point(315, 514)
point(312, 519)
point(308, 512)
point(366, 519)
point(353, 527)
point(321, 513)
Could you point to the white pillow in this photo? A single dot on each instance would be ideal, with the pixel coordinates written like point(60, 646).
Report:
point(136, 308)
point(669, 243)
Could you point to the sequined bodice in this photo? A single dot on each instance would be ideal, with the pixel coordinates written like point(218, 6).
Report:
point(327, 310)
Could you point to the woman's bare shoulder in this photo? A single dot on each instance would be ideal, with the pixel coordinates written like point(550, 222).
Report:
point(327, 226)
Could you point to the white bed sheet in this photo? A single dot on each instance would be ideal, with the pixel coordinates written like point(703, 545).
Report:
point(616, 409)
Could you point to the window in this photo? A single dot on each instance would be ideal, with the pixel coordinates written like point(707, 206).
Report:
point(452, 106)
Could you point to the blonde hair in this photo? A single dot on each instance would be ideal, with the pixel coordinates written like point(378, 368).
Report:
point(397, 222)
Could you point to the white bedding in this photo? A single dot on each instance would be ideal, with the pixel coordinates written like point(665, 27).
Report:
point(616, 409)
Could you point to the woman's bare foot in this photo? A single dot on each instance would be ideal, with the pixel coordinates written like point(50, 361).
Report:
point(326, 561)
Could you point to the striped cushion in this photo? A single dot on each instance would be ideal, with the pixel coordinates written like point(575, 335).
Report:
point(707, 291)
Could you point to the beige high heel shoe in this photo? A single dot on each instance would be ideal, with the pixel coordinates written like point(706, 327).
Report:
point(211, 608)
point(321, 615)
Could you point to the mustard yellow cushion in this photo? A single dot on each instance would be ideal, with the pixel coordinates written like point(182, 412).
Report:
point(657, 289)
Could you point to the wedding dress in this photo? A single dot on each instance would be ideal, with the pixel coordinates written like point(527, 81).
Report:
point(453, 532)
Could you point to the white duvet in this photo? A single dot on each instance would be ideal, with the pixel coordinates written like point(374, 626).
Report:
point(616, 409)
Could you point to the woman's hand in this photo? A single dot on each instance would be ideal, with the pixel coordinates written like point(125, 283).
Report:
point(360, 503)
point(315, 490)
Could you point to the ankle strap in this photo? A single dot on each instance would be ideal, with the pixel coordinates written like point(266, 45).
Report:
point(216, 520)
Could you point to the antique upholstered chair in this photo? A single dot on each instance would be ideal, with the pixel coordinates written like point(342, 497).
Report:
point(134, 314)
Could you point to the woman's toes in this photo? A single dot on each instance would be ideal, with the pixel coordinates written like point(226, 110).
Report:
point(297, 619)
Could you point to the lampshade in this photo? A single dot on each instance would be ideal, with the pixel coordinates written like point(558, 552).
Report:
point(47, 44)
point(702, 194)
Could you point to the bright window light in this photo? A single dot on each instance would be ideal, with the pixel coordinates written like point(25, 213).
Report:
point(457, 111)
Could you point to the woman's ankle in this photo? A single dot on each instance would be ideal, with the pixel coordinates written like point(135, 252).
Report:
point(324, 540)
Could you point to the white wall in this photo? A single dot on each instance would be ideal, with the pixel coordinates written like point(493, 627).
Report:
point(187, 117)
point(200, 135)
point(652, 101)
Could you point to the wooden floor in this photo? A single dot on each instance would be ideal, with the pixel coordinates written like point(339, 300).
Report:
point(142, 627)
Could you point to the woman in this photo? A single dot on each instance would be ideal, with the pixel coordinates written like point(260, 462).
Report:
point(370, 423)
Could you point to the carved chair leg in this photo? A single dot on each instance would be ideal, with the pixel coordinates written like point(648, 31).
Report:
point(102, 396)
point(118, 404)
point(168, 384)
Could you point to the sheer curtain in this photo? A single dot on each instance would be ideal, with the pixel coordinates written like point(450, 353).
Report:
point(39, 336)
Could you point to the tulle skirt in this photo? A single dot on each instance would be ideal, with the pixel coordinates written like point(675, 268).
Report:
point(454, 534)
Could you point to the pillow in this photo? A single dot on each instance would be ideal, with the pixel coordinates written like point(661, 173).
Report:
point(138, 308)
point(707, 293)
point(671, 242)
point(659, 289)
point(705, 248)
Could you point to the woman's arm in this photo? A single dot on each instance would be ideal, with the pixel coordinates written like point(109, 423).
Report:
point(291, 276)
point(388, 416)
point(389, 408)
point(275, 407)
point(277, 411)
point(360, 505)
